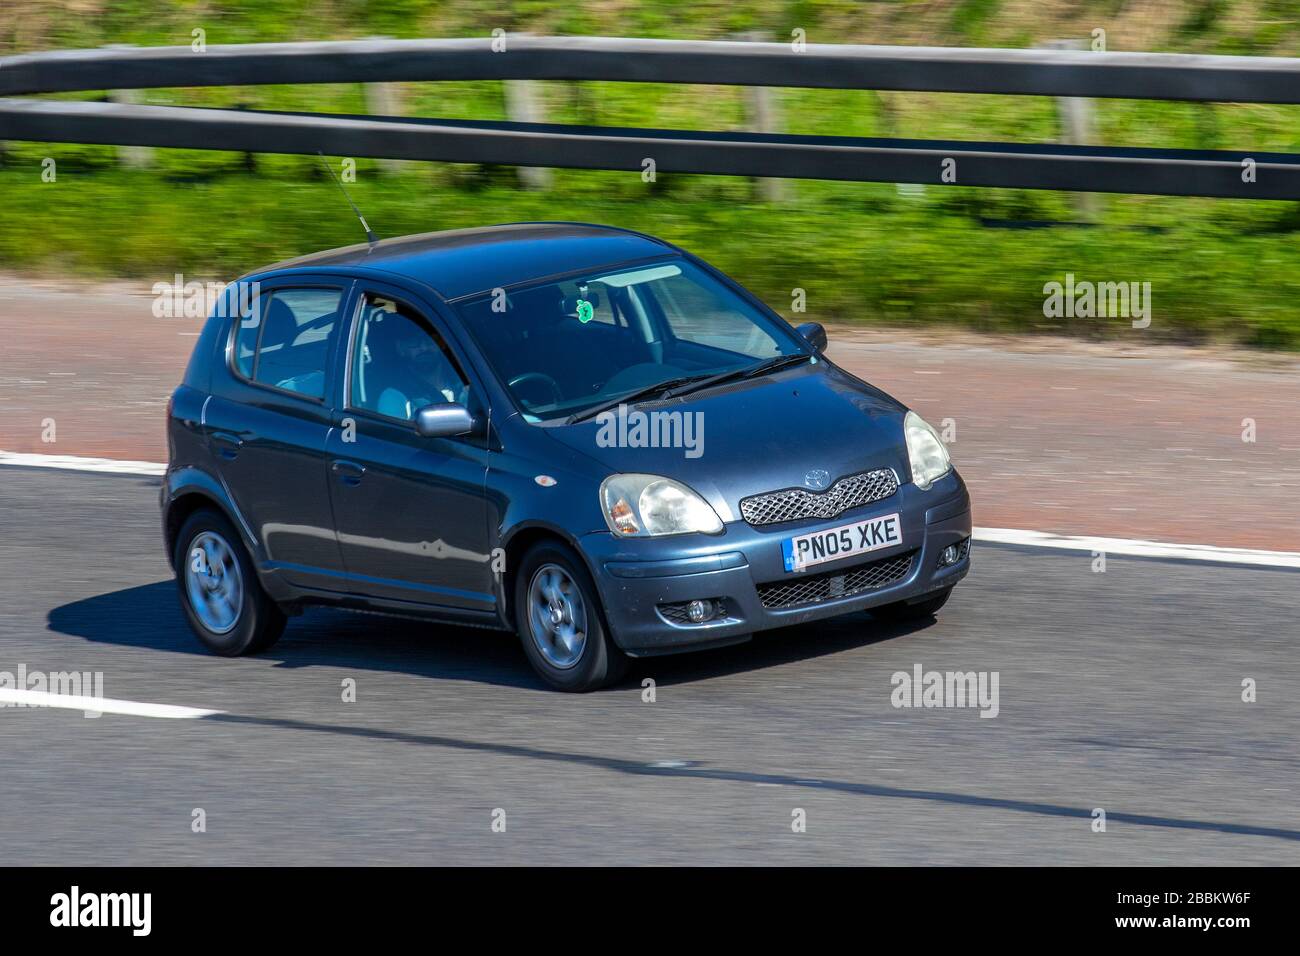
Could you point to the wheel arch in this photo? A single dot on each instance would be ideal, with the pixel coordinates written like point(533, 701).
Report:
point(189, 490)
point(518, 543)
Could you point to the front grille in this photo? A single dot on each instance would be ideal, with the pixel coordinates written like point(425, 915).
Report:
point(795, 503)
point(812, 589)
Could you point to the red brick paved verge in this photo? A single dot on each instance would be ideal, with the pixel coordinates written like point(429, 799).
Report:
point(1051, 434)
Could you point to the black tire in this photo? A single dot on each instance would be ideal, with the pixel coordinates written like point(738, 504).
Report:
point(259, 622)
point(600, 662)
point(902, 611)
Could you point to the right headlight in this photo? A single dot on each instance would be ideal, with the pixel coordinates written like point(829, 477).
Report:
point(649, 505)
point(925, 450)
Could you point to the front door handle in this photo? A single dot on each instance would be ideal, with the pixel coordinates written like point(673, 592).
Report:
point(348, 472)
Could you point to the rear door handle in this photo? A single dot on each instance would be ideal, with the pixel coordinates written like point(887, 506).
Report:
point(228, 445)
point(348, 472)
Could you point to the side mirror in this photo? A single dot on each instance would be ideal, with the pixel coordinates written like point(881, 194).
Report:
point(814, 333)
point(443, 421)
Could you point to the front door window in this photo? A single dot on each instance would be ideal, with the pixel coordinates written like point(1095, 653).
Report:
point(400, 364)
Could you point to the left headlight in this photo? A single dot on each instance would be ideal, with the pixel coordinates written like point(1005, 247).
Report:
point(648, 505)
point(925, 450)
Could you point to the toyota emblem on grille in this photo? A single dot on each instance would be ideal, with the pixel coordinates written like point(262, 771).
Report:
point(817, 479)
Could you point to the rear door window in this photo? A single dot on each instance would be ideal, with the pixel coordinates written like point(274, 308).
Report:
point(286, 341)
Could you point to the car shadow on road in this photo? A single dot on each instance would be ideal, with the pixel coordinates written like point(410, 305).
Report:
point(774, 648)
point(149, 617)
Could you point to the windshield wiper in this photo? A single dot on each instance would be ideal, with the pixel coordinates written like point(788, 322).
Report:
point(684, 384)
point(747, 371)
point(636, 395)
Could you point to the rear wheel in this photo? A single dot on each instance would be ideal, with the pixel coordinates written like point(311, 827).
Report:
point(561, 623)
point(220, 594)
point(902, 611)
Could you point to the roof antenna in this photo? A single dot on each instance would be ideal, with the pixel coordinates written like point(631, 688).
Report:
point(370, 236)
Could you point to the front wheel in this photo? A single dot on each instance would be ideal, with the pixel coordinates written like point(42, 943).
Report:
point(220, 594)
point(902, 611)
point(561, 624)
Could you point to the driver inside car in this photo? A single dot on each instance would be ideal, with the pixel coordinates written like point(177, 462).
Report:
point(409, 366)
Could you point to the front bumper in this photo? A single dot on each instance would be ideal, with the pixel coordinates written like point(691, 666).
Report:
point(643, 581)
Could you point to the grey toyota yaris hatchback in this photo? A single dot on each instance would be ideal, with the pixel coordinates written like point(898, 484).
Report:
point(582, 434)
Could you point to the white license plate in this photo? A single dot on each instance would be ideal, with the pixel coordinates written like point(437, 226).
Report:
point(843, 542)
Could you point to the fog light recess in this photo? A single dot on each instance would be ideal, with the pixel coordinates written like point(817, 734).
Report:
point(699, 611)
point(954, 553)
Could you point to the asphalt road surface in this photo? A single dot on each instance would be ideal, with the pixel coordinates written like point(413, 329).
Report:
point(1118, 690)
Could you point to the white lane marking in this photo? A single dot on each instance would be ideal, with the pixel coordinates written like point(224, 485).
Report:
point(1031, 539)
point(100, 705)
point(76, 463)
point(1143, 549)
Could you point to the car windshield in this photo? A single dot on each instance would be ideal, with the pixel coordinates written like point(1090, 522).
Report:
point(571, 345)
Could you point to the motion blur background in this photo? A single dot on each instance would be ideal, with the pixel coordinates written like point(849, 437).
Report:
point(1122, 683)
point(1221, 270)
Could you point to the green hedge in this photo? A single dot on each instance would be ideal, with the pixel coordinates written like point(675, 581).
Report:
point(863, 252)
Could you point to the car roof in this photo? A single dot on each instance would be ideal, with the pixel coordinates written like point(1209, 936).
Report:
point(462, 262)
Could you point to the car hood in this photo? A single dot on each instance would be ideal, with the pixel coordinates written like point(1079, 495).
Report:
point(755, 436)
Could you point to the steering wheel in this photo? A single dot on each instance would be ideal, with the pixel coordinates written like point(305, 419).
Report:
point(541, 377)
